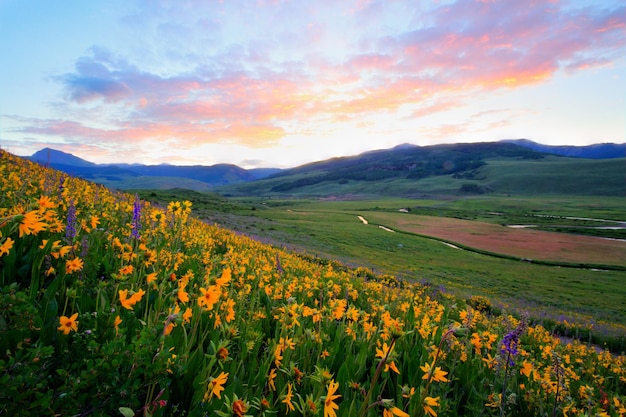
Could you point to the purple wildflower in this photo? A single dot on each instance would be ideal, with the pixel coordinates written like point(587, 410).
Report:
point(511, 341)
point(70, 227)
point(136, 225)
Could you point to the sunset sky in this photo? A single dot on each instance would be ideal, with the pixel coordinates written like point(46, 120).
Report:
point(281, 83)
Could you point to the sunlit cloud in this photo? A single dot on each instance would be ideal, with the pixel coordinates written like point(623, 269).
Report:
point(257, 74)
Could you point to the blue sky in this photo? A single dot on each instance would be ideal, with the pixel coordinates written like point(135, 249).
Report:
point(281, 83)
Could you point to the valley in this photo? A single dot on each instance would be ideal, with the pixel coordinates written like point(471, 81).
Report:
point(552, 275)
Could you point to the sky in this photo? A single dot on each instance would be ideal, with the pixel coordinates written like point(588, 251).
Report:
point(273, 83)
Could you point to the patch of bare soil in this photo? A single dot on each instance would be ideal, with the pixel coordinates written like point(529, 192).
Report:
point(520, 242)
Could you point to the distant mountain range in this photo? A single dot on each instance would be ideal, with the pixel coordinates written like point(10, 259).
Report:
point(461, 162)
point(125, 176)
point(597, 151)
point(461, 168)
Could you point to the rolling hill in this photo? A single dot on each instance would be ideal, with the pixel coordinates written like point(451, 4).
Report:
point(509, 167)
point(129, 176)
point(596, 151)
point(413, 171)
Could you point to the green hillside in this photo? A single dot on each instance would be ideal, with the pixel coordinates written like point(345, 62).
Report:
point(557, 175)
point(127, 182)
point(503, 175)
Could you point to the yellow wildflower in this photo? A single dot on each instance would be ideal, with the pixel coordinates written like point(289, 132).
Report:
point(6, 246)
point(429, 403)
point(66, 324)
point(31, 224)
point(150, 278)
point(224, 279)
point(394, 411)
point(128, 303)
point(45, 203)
point(435, 374)
point(527, 368)
point(126, 270)
point(329, 405)
point(187, 315)
point(270, 379)
point(209, 297)
point(73, 265)
point(389, 363)
point(288, 398)
point(216, 386)
point(116, 324)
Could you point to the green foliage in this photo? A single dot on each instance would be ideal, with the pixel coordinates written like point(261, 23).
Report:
point(124, 307)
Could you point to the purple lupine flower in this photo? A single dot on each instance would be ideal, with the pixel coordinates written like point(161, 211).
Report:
point(511, 341)
point(136, 225)
point(70, 227)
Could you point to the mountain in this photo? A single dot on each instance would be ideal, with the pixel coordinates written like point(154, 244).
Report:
point(128, 176)
point(219, 174)
point(410, 162)
point(48, 156)
point(415, 171)
point(597, 151)
point(512, 167)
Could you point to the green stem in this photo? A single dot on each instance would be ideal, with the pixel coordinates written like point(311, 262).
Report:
point(379, 368)
point(506, 373)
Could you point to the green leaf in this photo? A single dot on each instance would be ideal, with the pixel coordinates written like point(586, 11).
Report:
point(126, 412)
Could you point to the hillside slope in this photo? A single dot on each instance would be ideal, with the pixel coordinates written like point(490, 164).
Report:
point(446, 169)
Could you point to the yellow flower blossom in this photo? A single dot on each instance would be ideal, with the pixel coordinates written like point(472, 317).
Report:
point(216, 386)
point(73, 265)
point(66, 324)
point(288, 398)
point(270, 379)
point(187, 315)
point(6, 246)
point(394, 411)
point(527, 368)
point(435, 374)
point(116, 324)
point(224, 279)
point(126, 270)
point(389, 363)
point(209, 297)
point(45, 203)
point(429, 403)
point(128, 303)
point(329, 403)
point(31, 224)
point(150, 278)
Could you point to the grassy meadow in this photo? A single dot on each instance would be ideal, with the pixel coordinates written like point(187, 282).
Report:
point(573, 278)
point(113, 305)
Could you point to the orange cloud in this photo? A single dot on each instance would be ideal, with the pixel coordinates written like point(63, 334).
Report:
point(257, 92)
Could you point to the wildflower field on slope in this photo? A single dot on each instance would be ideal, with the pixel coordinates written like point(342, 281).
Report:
point(111, 306)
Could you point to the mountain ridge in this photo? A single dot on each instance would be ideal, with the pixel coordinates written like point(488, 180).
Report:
point(405, 161)
point(605, 150)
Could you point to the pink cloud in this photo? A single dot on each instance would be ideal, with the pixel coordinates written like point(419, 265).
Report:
point(505, 44)
point(239, 94)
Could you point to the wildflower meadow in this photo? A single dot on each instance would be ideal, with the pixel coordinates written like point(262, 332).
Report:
point(112, 306)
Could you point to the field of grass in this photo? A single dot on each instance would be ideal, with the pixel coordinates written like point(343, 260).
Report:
point(330, 229)
point(112, 305)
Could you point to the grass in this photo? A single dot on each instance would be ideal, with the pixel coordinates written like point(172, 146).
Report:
point(330, 229)
point(111, 305)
